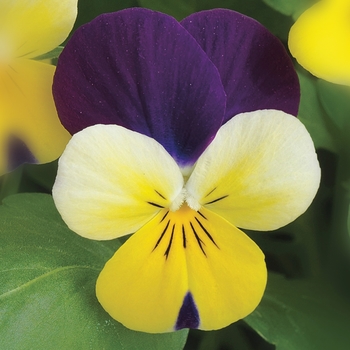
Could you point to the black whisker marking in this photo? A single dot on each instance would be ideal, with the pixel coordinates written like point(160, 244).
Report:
point(155, 205)
point(5, 85)
point(13, 69)
point(20, 46)
point(217, 199)
point(162, 235)
point(199, 241)
point(164, 216)
point(26, 54)
point(204, 217)
point(160, 194)
point(206, 232)
point(14, 82)
point(170, 242)
point(183, 237)
point(211, 192)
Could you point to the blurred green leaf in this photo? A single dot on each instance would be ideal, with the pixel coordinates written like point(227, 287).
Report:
point(312, 115)
point(236, 336)
point(277, 23)
point(89, 9)
point(336, 102)
point(176, 8)
point(10, 183)
point(289, 7)
point(41, 175)
point(302, 315)
point(47, 289)
point(50, 55)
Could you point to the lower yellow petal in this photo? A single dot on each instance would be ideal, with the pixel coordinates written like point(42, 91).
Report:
point(183, 269)
point(319, 40)
point(30, 127)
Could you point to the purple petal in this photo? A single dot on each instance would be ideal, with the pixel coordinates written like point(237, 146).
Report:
point(141, 69)
point(255, 69)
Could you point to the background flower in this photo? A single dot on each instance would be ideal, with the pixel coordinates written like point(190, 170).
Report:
point(30, 130)
point(319, 40)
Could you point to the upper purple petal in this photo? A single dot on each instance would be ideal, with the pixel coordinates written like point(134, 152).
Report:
point(141, 69)
point(255, 69)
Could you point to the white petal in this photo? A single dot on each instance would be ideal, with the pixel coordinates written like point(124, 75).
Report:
point(260, 172)
point(111, 181)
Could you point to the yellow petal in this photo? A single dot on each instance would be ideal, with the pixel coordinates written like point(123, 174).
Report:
point(111, 181)
point(319, 40)
point(28, 115)
point(260, 172)
point(183, 269)
point(33, 27)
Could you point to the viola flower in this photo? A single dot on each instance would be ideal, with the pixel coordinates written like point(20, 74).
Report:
point(319, 40)
point(201, 141)
point(30, 129)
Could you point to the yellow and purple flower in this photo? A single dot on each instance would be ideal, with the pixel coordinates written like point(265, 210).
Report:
point(197, 136)
point(30, 130)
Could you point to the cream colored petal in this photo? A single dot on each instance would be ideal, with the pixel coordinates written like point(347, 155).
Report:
point(319, 40)
point(33, 27)
point(260, 172)
point(111, 181)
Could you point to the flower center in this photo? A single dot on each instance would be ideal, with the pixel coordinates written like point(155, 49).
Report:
point(192, 226)
point(183, 197)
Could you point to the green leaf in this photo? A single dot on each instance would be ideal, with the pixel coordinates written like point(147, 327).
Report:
point(47, 285)
point(39, 177)
point(277, 23)
point(349, 220)
point(10, 183)
point(176, 8)
point(289, 7)
point(89, 9)
point(50, 55)
point(302, 315)
point(335, 101)
point(312, 114)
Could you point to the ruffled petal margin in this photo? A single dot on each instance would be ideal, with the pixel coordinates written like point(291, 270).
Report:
point(183, 270)
point(256, 71)
point(142, 70)
point(261, 171)
point(111, 181)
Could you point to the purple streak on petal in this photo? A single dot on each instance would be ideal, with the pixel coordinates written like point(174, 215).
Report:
point(188, 315)
point(18, 153)
point(141, 69)
point(255, 69)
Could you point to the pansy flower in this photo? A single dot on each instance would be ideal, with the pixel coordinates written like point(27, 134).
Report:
point(196, 138)
point(30, 130)
point(319, 40)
